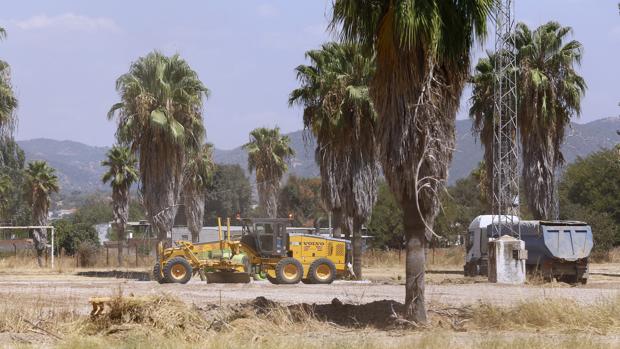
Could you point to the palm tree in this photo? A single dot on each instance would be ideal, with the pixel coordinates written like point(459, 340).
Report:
point(481, 111)
point(423, 52)
point(198, 173)
point(268, 153)
point(159, 118)
point(340, 114)
point(550, 94)
point(8, 102)
point(121, 174)
point(41, 182)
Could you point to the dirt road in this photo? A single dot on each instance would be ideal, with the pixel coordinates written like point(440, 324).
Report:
point(73, 292)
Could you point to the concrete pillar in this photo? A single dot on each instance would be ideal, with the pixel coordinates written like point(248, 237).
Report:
point(507, 257)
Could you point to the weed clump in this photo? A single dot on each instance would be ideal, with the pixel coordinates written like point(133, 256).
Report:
point(163, 313)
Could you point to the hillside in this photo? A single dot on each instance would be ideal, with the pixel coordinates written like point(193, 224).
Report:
point(79, 165)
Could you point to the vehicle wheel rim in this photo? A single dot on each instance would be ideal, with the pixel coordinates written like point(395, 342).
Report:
point(323, 272)
point(290, 272)
point(178, 271)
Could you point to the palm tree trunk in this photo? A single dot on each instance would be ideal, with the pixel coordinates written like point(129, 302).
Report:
point(194, 204)
point(39, 217)
point(120, 230)
point(337, 222)
point(415, 263)
point(161, 173)
point(357, 249)
point(120, 205)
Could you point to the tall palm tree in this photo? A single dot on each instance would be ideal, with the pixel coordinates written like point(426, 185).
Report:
point(340, 114)
point(41, 182)
point(550, 94)
point(159, 118)
point(423, 52)
point(121, 174)
point(8, 101)
point(268, 153)
point(482, 111)
point(198, 173)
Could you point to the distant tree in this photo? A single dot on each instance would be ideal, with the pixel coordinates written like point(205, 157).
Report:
point(339, 112)
point(5, 186)
point(121, 174)
point(229, 194)
point(8, 101)
point(594, 182)
point(301, 198)
point(386, 221)
point(159, 118)
point(198, 174)
point(16, 210)
point(70, 234)
point(268, 153)
point(41, 182)
point(605, 229)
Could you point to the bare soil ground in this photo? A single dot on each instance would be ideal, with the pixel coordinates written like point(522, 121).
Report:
point(448, 289)
point(64, 296)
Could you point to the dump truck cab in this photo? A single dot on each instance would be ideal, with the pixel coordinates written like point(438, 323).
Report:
point(477, 244)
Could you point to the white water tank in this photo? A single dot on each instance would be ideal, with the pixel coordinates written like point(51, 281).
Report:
point(507, 256)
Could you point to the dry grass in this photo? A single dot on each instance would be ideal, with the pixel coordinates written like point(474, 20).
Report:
point(453, 257)
point(26, 261)
point(560, 314)
point(163, 321)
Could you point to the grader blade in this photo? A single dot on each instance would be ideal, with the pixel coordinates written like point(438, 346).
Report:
point(228, 278)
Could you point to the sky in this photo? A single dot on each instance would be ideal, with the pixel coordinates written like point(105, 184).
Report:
point(66, 55)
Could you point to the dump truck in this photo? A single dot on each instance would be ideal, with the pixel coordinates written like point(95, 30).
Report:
point(265, 248)
point(556, 249)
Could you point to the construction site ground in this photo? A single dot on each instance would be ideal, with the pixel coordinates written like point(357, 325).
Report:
point(42, 303)
point(445, 286)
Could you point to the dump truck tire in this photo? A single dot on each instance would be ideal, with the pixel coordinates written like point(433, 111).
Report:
point(157, 274)
point(322, 271)
point(178, 270)
point(289, 271)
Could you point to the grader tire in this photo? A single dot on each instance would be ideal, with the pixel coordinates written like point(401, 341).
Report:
point(322, 271)
point(157, 274)
point(289, 271)
point(178, 270)
point(272, 280)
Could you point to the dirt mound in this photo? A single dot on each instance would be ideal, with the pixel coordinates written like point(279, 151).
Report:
point(379, 314)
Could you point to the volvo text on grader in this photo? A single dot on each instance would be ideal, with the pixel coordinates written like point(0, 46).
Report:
point(265, 249)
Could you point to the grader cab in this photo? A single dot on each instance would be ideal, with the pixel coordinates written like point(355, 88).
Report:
point(265, 249)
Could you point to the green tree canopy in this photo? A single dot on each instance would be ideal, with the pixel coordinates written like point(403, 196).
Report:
point(268, 153)
point(301, 198)
point(229, 194)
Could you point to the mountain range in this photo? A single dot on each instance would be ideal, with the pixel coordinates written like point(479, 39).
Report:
point(79, 165)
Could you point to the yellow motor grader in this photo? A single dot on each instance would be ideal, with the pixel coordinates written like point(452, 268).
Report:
point(265, 249)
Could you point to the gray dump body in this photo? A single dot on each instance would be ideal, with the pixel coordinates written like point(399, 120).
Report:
point(565, 241)
point(557, 249)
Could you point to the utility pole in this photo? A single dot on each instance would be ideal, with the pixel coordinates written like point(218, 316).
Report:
point(505, 206)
